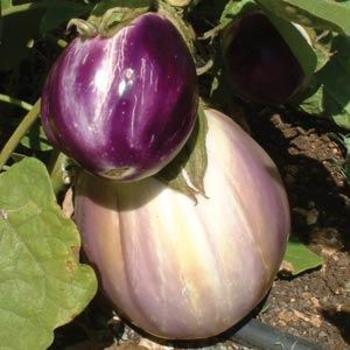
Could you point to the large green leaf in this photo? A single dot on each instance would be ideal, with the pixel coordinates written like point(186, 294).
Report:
point(42, 284)
point(299, 258)
point(324, 14)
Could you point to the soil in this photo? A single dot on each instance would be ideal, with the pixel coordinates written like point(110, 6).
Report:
point(314, 305)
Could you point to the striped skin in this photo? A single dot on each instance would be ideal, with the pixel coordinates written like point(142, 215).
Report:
point(185, 271)
point(123, 106)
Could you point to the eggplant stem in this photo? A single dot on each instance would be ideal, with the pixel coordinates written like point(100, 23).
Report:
point(204, 69)
point(16, 102)
point(212, 33)
point(84, 28)
point(18, 134)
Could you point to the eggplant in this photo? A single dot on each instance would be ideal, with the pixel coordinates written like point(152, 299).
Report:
point(181, 270)
point(260, 66)
point(123, 106)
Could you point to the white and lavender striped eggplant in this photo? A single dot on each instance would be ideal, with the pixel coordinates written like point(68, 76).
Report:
point(185, 271)
point(123, 106)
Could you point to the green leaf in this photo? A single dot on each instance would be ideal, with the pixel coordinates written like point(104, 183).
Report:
point(331, 99)
point(42, 284)
point(323, 14)
point(345, 141)
point(186, 172)
point(335, 80)
point(322, 45)
point(5, 4)
point(59, 12)
point(234, 9)
point(299, 258)
point(314, 103)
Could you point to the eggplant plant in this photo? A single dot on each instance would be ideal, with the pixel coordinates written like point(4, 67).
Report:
point(121, 101)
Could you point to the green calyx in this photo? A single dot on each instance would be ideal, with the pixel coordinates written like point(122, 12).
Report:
point(109, 16)
point(116, 18)
point(84, 28)
point(186, 172)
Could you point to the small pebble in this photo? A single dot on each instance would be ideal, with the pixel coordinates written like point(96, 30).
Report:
point(322, 334)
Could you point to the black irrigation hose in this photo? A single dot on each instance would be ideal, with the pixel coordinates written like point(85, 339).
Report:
point(264, 337)
point(249, 332)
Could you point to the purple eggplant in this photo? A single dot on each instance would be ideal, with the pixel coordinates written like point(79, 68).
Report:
point(123, 106)
point(259, 63)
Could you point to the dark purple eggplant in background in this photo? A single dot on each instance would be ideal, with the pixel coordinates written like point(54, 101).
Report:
point(260, 66)
point(123, 106)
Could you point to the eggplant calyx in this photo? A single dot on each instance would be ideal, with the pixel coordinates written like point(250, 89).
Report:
point(111, 16)
point(85, 29)
point(205, 68)
point(117, 18)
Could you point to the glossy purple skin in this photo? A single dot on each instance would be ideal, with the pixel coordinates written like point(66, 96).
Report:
point(124, 106)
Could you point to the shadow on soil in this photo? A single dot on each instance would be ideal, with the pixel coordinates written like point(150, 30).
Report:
point(341, 320)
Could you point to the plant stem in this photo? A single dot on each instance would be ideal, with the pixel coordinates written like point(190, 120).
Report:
point(15, 102)
point(22, 8)
point(57, 170)
point(17, 136)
